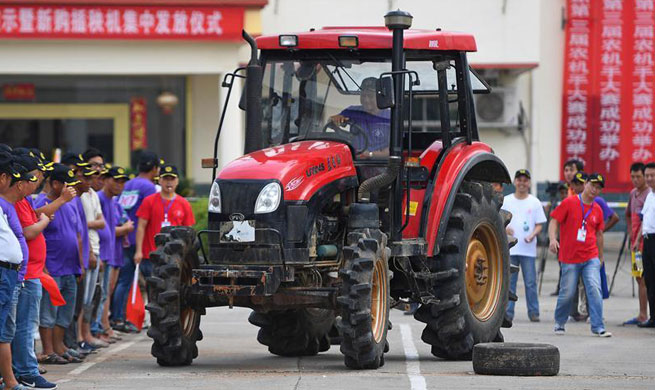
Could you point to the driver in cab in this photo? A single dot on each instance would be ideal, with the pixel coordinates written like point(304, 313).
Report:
point(373, 122)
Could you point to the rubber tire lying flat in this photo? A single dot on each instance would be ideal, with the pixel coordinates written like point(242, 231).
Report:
point(517, 359)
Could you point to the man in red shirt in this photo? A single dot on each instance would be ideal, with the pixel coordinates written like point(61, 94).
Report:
point(580, 252)
point(159, 210)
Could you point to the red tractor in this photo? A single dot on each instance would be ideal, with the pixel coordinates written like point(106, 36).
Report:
point(347, 203)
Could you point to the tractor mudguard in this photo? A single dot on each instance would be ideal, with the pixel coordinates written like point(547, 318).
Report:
point(471, 162)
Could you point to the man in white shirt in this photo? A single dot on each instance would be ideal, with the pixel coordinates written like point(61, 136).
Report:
point(527, 219)
point(648, 236)
point(95, 222)
point(11, 258)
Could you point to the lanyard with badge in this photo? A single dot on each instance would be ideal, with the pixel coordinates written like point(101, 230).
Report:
point(167, 207)
point(582, 232)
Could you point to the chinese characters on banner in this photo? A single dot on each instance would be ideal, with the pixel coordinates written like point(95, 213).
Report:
point(121, 22)
point(138, 124)
point(18, 92)
point(607, 117)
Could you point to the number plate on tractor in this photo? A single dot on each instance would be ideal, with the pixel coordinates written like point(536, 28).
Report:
point(237, 231)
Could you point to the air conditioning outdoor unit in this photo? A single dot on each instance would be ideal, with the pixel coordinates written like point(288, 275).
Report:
point(498, 109)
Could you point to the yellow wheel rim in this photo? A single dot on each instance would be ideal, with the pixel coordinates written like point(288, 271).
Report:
point(187, 316)
point(484, 271)
point(379, 294)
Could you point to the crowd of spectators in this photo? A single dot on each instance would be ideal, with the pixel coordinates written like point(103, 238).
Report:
point(72, 233)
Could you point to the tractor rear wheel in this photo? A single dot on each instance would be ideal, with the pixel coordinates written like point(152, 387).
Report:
point(175, 327)
point(364, 299)
point(473, 296)
point(298, 332)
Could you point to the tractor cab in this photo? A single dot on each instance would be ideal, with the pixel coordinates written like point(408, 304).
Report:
point(363, 187)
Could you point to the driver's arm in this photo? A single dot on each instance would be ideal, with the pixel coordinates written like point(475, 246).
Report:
point(338, 119)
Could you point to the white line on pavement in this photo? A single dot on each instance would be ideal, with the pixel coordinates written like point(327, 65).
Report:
point(416, 380)
point(111, 351)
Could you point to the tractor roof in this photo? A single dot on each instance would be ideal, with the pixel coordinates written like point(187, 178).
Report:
point(373, 38)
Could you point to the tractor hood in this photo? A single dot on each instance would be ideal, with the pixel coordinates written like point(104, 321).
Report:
point(301, 167)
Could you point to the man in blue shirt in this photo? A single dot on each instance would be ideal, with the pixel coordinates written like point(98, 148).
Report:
point(373, 121)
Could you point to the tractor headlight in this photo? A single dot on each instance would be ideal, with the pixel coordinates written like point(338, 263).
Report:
point(268, 199)
point(214, 204)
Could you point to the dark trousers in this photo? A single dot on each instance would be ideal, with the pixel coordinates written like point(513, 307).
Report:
point(648, 258)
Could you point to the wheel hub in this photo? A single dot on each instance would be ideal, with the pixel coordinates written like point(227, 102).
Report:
point(378, 302)
point(483, 271)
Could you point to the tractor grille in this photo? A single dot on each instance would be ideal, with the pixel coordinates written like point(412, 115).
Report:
point(239, 196)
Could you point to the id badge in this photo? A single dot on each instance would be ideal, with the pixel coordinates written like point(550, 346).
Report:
point(165, 223)
point(582, 235)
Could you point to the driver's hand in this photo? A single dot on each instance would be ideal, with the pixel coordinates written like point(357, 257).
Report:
point(338, 119)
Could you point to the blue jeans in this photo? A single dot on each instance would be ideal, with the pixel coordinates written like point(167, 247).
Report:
point(527, 265)
point(96, 326)
point(9, 330)
point(27, 321)
point(125, 279)
point(61, 316)
point(590, 271)
point(8, 278)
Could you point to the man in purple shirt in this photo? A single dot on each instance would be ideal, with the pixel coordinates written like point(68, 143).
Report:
point(133, 194)
point(373, 121)
point(64, 263)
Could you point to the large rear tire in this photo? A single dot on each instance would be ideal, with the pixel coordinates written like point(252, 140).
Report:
point(175, 327)
point(472, 297)
point(298, 332)
point(364, 299)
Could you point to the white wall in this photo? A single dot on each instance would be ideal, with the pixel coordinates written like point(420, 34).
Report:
point(506, 31)
point(85, 57)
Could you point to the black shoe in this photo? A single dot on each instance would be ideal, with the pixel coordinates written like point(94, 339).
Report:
point(647, 324)
point(554, 293)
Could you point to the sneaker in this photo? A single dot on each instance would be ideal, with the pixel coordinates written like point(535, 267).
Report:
point(86, 347)
point(559, 330)
point(534, 318)
point(603, 333)
point(130, 327)
point(36, 382)
point(75, 353)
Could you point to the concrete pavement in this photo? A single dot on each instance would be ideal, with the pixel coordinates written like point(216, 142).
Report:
point(231, 358)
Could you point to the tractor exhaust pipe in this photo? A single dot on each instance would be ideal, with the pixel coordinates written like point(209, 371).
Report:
point(397, 21)
point(380, 181)
point(254, 74)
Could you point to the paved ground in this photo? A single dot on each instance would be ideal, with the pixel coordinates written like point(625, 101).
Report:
point(231, 358)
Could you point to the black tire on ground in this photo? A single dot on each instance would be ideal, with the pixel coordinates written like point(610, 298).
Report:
point(457, 322)
point(520, 359)
point(175, 327)
point(364, 299)
point(298, 332)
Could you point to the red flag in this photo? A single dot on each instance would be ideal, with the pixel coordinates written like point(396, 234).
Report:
point(52, 288)
point(136, 311)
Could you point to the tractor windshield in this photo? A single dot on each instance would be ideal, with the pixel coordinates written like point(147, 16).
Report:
point(334, 98)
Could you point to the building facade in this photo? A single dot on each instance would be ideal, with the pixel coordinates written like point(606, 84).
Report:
point(127, 74)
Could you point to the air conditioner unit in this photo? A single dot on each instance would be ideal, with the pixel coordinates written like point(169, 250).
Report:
point(498, 109)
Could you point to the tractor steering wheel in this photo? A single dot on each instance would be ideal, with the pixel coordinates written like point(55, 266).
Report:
point(355, 130)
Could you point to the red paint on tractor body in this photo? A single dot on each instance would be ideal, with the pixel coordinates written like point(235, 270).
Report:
point(301, 167)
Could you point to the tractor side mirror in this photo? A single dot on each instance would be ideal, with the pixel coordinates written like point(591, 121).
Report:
point(384, 92)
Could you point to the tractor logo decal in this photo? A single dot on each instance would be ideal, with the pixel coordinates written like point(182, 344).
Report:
point(237, 217)
point(333, 162)
point(314, 170)
point(294, 183)
point(434, 44)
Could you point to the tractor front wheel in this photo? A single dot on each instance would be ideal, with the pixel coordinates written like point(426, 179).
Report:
point(364, 299)
point(175, 327)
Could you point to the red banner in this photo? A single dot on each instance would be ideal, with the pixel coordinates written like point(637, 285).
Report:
point(18, 92)
point(607, 113)
point(138, 124)
point(121, 22)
